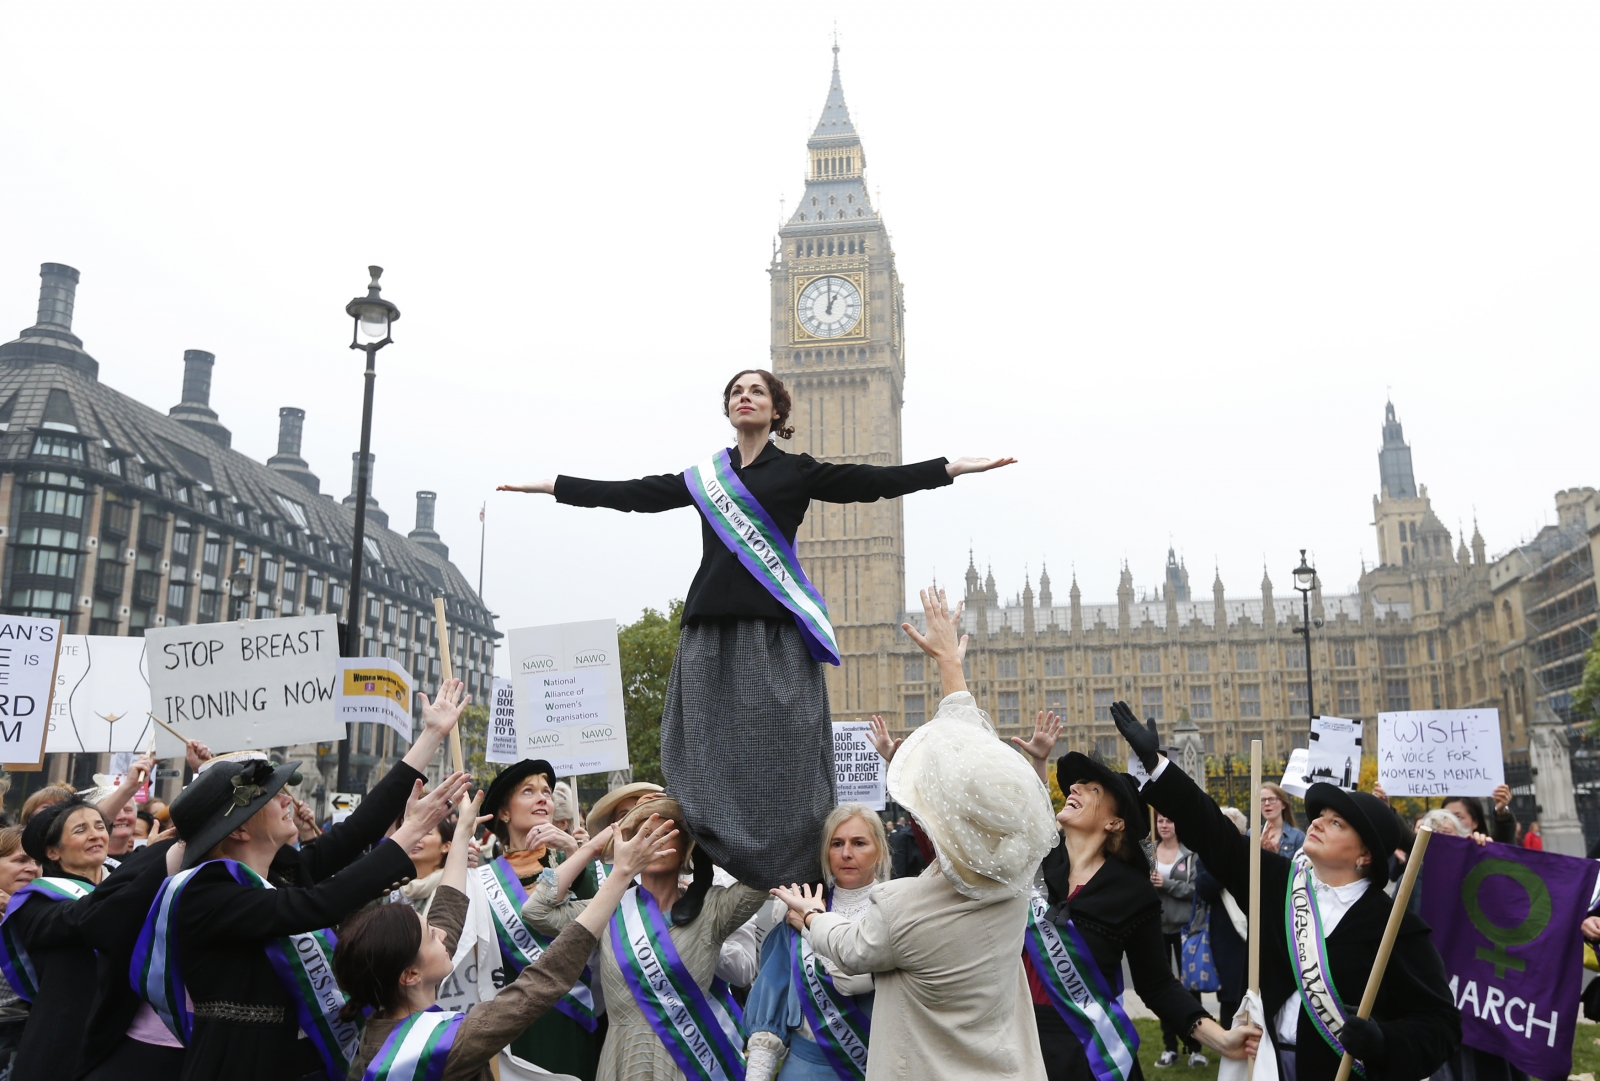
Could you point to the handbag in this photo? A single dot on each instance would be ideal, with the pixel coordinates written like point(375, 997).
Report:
point(1199, 969)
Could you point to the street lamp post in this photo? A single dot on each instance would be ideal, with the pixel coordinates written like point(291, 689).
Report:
point(373, 318)
point(1305, 578)
point(239, 589)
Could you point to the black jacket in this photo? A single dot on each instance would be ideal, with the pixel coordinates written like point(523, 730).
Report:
point(1414, 1007)
point(784, 484)
point(244, 1027)
point(64, 965)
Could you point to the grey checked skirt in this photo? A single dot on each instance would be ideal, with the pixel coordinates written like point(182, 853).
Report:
point(747, 748)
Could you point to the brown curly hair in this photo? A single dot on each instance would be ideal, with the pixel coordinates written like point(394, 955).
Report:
point(781, 402)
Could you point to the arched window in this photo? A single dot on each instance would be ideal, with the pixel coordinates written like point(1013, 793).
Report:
point(832, 201)
point(852, 246)
point(1511, 621)
point(849, 198)
point(799, 249)
point(813, 200)
point(1405, 557)
point(802, 215)
point(830, 246)
point(841, 214)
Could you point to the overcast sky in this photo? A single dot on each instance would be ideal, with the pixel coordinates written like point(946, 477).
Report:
point(1172, 257)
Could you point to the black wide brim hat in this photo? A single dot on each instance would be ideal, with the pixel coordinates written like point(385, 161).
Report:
point(223, 798)
point(1374, 820)
point(1075, 766)
point(506, 781)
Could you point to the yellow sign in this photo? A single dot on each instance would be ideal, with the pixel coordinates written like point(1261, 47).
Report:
point(360, 682)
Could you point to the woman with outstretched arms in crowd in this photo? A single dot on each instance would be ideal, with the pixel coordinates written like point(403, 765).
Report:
point(754, 632)
point(391, 960)
point(1323, 916)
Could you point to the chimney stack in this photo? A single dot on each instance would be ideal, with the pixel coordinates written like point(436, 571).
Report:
point(195, 410)
point(424, 533)
point(50, 340)
point(291, 423)
point(375, 513)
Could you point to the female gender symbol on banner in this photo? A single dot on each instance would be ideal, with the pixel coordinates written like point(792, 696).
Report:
point(1531, 926)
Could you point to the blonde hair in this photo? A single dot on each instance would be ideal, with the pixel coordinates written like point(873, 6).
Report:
point(10, 840)
point(48, 796)
point(1442, 821)
point(666, 807)
point(1236, 816)
point(564, 805)
point(838, 817)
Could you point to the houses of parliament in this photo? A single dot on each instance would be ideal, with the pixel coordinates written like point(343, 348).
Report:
point(1436, 624)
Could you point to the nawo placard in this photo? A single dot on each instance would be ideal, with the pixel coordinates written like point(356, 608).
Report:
point(27, 680)
point(251, 684)
point(567, 684)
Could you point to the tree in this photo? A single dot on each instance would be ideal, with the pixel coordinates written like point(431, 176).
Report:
point(647, 646)
point(1586, 696)
point(474, 727)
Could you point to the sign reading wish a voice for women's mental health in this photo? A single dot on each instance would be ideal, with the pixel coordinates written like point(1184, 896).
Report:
point(568, 690)
point(1440, 752)
point(252, 684)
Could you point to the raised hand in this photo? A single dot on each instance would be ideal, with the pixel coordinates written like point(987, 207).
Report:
point(470, 821)
point(942, 636)
point(426, 812)
point(537, 487)
point(1046, 730)
point(441, 714)
point(803, 900)
point(976, 465)
point(652, 840)
point(195, 753)
point(306, 822)
point(143, 767)
point(1502, 797)
point(1145, 742)
point(880, 738)
point(544, 835)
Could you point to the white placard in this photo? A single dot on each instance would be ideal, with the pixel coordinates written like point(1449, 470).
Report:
point(567, 686)
point(858, 769)
point(1294, 774)
point(374, 690)
point(27, 681)
point(502, 742)
point(247, 685)
point(1136, 770)
point(1335, 753)
point(102, 700)
point(1440, 752)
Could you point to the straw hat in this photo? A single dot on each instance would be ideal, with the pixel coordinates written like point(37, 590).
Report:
point(979, 801)
point(601, 814)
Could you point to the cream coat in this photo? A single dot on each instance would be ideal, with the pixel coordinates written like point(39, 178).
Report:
point(952, 1000)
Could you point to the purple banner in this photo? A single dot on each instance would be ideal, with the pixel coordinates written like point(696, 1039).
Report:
point(1506, 920)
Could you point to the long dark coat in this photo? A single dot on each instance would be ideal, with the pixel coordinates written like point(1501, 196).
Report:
point(64, 964)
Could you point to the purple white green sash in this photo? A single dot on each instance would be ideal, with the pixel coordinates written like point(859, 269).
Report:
point(1077, 989)
point(520, 945)
point(838, 1023)
point(1308, 948)
point(14, 960)
point(744, 525)
point(697, 1029)
point(303, 964)
point(417, 1049)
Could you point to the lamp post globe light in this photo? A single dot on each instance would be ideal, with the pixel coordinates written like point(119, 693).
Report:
point(239, 588)
point(1305, 579)
point(374, 317)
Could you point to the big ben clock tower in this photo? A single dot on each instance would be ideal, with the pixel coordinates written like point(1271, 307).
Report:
point(838, 342)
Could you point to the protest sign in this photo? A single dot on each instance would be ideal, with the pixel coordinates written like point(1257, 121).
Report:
point(1294, 774)
point(1335, 753)
point(245, 685)
point(27, 682)
point(1440, 752)
point(567, 686)
point(375, 690)
point(858, 769)
point(1506, 921)
point(502, 743)
point(102, 699)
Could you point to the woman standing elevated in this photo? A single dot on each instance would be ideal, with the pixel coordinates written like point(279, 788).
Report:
point(754, 631)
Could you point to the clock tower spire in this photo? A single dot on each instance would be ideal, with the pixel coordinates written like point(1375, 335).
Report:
point(837, 342)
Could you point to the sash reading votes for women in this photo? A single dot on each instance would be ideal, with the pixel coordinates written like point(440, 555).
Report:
point(747, 529)
point(303, 964)
point(14, 961)
point(1077, 989)
point(699, 1031)
point(417, 1049)
point(1308, 949)
point(520, 945)
point(837, 1021)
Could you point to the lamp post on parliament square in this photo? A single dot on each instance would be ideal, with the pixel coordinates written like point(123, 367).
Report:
point(373, 318)
point(1305, 579)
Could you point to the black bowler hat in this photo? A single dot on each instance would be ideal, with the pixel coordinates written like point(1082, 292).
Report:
point(506, 782)
point(1075, 766)
point(1373, 819)
point(222, 798)
point(33, 834)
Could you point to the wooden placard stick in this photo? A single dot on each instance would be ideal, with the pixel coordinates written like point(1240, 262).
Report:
point(1253, 955)
point(171, 731)
point(1391, 931)
point(443, 629)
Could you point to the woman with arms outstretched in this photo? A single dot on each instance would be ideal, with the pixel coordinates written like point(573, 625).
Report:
point(754, 632)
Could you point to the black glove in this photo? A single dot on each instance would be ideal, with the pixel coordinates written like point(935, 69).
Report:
point(1145, 742)
point(1363, 1039)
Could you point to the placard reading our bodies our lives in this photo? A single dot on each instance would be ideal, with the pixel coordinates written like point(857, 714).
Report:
point(567, 686)
point(249, 684)
point(858, 769)
point(1440, 752)
point(102, 699)
point(502, 742)
point(375, 690)
point(27, 681)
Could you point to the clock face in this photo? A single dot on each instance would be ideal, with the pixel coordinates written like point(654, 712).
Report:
point(830, 307)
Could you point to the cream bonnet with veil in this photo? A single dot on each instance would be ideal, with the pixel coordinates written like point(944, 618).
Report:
point(979, 801)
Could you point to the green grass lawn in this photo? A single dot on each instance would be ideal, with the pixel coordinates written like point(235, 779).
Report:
point(1585, 1055)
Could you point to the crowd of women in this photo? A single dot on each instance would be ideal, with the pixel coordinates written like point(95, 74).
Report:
point(740, 925)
